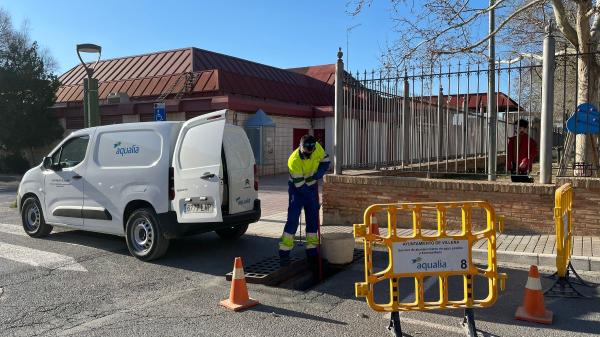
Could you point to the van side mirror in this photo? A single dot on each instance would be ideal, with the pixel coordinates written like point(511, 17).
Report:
point(47, 163)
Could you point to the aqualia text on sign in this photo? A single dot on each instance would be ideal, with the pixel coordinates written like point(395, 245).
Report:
point(430, 256)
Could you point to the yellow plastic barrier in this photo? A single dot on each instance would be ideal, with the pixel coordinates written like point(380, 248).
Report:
point(410, 256)
point(563, 218)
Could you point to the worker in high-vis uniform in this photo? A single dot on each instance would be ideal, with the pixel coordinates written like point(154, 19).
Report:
point(307, 164)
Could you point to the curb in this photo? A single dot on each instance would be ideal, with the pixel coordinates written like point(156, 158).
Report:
point(580, 263)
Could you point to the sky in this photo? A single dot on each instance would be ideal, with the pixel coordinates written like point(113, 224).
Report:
point(282, 33)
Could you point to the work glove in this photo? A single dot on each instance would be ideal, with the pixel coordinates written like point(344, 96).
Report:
point(524, 165)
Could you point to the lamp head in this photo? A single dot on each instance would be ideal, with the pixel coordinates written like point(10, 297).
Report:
point(89, 48)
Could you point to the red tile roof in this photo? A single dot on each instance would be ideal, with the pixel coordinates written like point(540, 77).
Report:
point(324, 73)
point(145, 77)
point(477, 99)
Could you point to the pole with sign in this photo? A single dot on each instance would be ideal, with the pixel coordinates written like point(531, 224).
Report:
point(160, 112)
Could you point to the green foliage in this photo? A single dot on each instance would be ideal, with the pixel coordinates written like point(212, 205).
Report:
point(27, 91)
point(13, 163)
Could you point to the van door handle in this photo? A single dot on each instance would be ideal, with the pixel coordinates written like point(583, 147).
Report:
point(207, 175)
point(77, 177)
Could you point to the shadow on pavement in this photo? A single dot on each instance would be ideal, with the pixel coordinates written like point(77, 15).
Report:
point(574, 315)
point(291, 313)
point(106, 242)
point(205, 253)
point(208, 254)
point(569, 313)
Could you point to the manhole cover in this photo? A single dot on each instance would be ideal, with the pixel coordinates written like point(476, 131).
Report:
point(271, 271)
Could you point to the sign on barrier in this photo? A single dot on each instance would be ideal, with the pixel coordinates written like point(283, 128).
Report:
point(444, 255)
point(420, 256)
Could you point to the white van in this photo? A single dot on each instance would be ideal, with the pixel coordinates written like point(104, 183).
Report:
point(149, 182)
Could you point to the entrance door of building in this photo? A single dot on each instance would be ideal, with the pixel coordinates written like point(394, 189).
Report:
point(320, 136)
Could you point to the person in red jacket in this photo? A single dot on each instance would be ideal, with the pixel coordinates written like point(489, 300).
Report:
point(520, 160)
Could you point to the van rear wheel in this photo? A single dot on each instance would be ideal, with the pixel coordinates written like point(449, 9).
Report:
point(232, 233)
point(144, 236)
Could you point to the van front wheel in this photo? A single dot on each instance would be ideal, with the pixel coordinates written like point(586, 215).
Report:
point(144, 237)
point(33, 218)
point(232, 233)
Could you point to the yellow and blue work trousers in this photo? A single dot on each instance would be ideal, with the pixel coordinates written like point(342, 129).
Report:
point(306, 198)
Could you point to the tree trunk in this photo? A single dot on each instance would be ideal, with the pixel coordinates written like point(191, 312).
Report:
point(32, 157)
point(587, 91)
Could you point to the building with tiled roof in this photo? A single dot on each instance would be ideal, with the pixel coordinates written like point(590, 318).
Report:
point(299, 101)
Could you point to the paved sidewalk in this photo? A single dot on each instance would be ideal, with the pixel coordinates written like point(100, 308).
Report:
point(520, 249)
point(511, 248)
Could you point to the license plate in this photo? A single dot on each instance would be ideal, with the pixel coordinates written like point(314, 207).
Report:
point(198, 208)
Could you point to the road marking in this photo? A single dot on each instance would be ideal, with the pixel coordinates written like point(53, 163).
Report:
point(39, 258)
point(12, 229)
point(18, 230)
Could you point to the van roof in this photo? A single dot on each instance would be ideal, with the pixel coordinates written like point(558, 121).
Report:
point(131, 126)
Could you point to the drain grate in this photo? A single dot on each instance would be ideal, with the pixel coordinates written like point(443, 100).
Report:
point(270, 271)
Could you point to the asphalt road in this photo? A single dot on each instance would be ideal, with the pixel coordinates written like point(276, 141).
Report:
point(75, 283)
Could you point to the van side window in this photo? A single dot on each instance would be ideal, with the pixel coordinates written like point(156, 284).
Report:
point(56, 157)
point(72, 152)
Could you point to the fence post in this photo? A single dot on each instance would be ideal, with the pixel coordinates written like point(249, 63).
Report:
point(406, 121)
point(339, 110)
point(547, 107)
point(440, 113)
point(491, 99)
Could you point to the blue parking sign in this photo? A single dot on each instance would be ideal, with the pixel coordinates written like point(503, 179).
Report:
point(160, 113)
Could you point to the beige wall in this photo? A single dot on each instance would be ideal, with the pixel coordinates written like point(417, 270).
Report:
point(131, 118)
point(284, 130)
point(176, 116)
point(283, 133)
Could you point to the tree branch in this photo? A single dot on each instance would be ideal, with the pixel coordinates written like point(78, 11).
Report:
point(480, 42)
point(561, 19)
point(458, 25)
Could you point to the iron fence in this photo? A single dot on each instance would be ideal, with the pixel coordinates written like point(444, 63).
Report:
point(437, 120)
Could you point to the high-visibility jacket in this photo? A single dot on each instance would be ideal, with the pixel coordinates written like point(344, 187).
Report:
point(306, 171)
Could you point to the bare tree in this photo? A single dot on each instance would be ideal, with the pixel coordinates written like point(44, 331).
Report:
point(435, 29)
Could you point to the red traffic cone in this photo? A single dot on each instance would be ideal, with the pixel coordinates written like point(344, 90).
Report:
point(238, 295)
point(533, 309)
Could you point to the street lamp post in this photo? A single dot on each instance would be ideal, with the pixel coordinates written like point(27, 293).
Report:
point(91, 108)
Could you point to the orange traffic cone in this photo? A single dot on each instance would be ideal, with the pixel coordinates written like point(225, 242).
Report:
point(238, 295)
point(533, 308)
point(374, 225)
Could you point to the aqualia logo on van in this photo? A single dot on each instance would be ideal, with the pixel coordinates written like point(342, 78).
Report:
point(125, 150)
